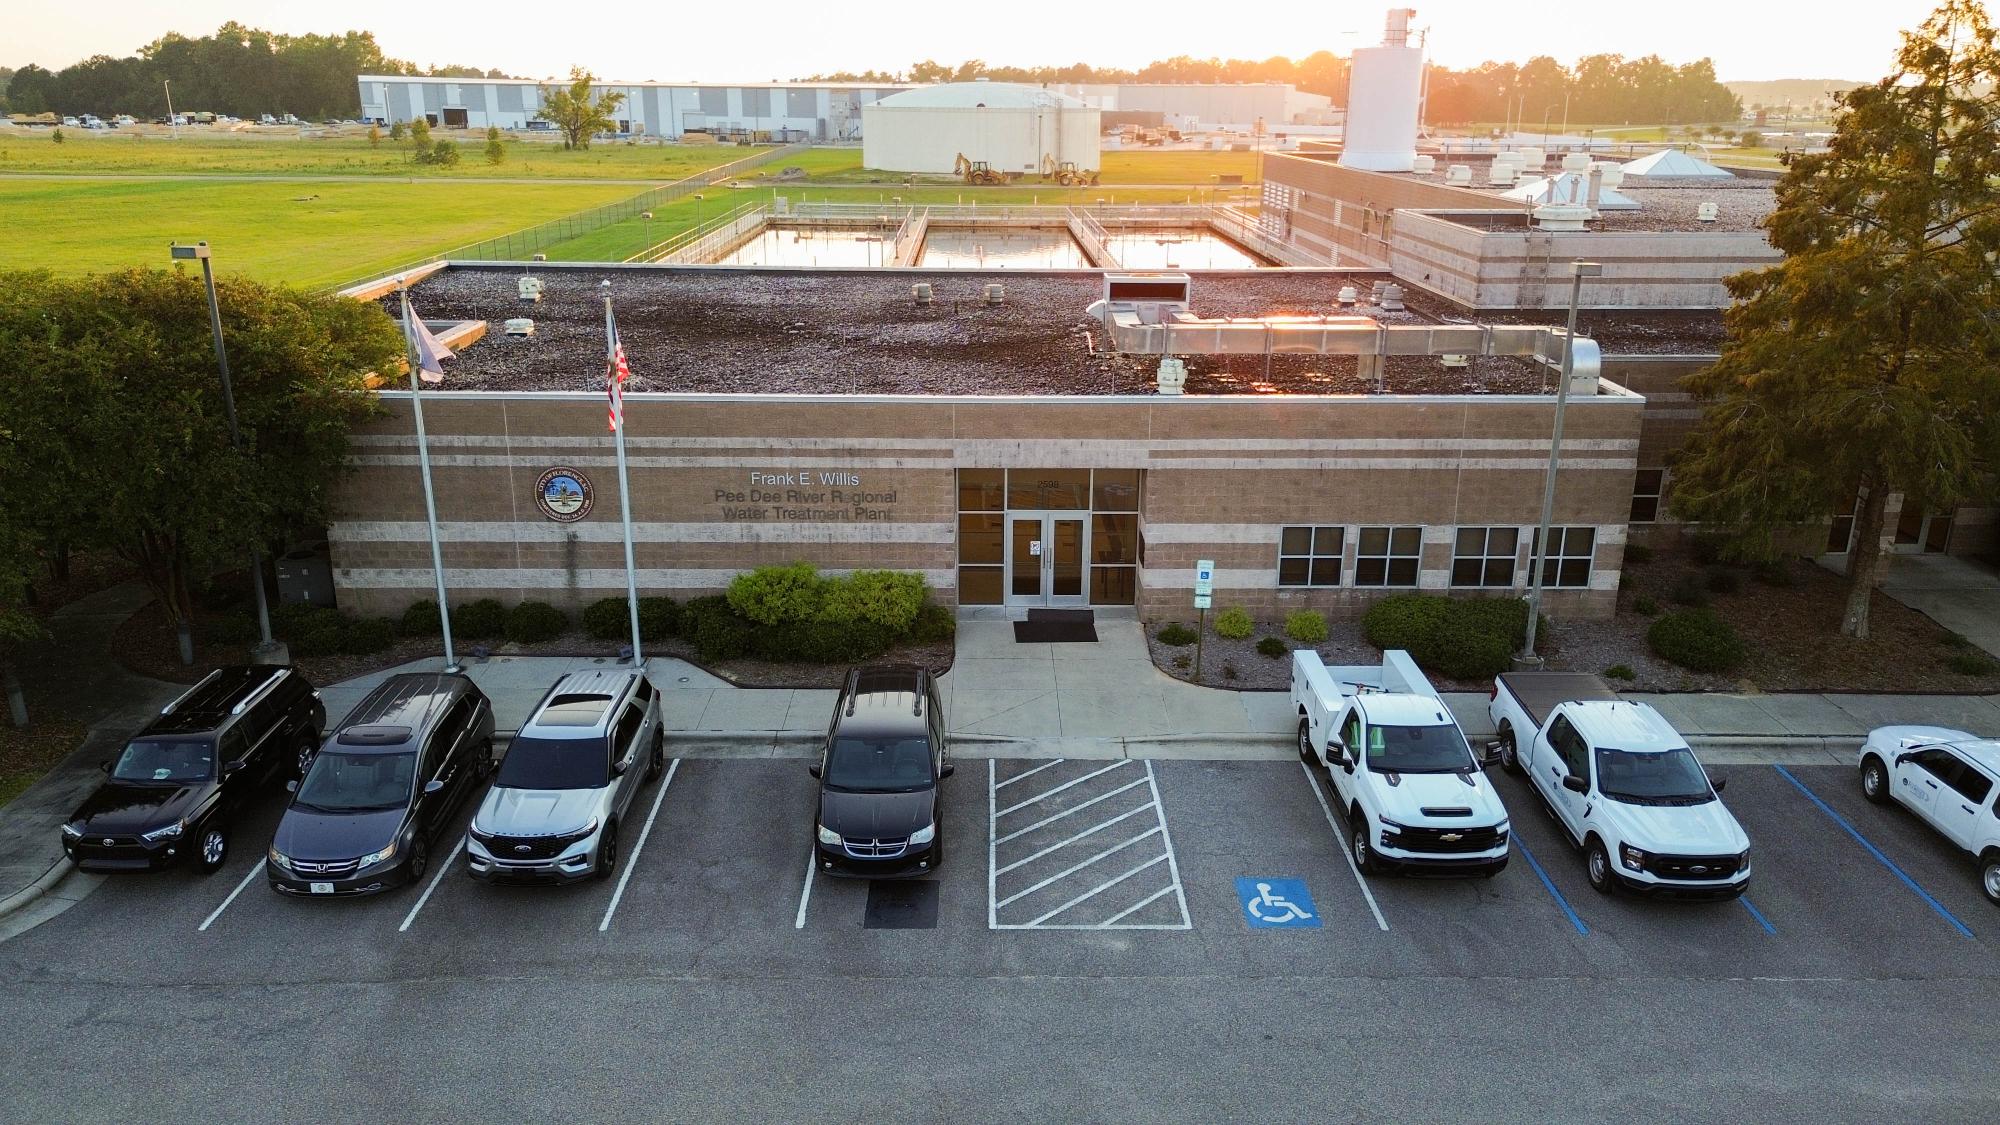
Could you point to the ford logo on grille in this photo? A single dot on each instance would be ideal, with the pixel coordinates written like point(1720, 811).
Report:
point(523, 848)
point(1699, 869)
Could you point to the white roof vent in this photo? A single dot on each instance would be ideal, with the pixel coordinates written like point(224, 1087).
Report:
point(1532, 157)
point(1508, 157)
point(1576, 162)
point(1347, 295)
point(1458, 174)
point(1503, 175)
point(1172, 375)
point(1456, 360)
point(531, 289)
point(996, 294)
point(520, 326)
point(1563, 216)
point(1706, 213)
point(1375, 292)
point(1392, 298)
point(1423, 165)
point(921, 292)
point(1612, 171)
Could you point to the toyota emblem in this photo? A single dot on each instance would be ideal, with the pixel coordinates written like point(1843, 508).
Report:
point(109, 843)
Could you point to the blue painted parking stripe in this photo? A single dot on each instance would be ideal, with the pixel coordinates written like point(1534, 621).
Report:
point(1874, 851)
point(1759, 915)
point(1550, 884)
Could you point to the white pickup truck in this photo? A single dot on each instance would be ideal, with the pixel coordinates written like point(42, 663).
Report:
point(1946, 777)
point(1415, 796)
point(1623, 785)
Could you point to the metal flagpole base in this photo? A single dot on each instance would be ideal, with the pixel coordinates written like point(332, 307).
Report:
point(271, 652)
point(1527, 663)
point(454, 669)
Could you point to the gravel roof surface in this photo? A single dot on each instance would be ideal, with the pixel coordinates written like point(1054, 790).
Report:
point(1664, 205)
point(830, 332)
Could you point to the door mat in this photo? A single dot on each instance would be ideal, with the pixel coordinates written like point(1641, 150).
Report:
point(1057, 626)
point(901, 904)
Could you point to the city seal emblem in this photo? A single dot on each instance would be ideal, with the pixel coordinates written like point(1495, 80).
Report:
point(563, 494)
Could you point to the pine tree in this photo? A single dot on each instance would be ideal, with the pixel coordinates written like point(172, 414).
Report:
point(1868, 361)
point(496, 149)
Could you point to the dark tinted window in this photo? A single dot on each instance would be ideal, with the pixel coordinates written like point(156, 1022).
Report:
point(1569, 746)
point(1969, 782)
point(342, 782)
point(628, 729)
point(235, 744)
point(553, 763)
point(890, 764)
point(166, 760)
point(1435, 749)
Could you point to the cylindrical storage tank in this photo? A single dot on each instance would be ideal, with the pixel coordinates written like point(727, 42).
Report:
point(1384, 87)
point(1011, 127)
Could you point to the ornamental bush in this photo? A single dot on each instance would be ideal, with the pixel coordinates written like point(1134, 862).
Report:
point(778, 595)
point(1234, 623)
point(1620, 672)
point(716, 630)
point(531, 622)
point(1306, 626)
point(607, 620)
point(659, 618)
point(1273, 647)
point(1461, 638)
point(362, 636)
point(885, 600)
point(934, 624)
point(482, 620)
point(1696, 639)
point(1177, 634)
point(321, 637)
point(421, 620)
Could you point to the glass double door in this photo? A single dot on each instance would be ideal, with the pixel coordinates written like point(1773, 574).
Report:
point(1045, 558)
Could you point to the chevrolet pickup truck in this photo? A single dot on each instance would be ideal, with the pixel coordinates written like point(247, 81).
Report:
point(1415, 796)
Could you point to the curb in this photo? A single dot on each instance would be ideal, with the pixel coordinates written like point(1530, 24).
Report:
point(20, 900)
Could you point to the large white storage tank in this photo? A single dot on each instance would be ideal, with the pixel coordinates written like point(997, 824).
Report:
point(1008, 125)
point(1384, 93)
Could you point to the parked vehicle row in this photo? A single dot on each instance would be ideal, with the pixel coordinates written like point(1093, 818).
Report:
point(1949, 779)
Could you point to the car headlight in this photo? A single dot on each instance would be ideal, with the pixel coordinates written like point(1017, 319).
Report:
point(1504, 827)
point(383, 856)
point(1634, 858)
point(278, 858)
point(1389, 825)
point(72, 831)
point(829, 837)
point(166, 833)
point(478, 833)
point(923, 835)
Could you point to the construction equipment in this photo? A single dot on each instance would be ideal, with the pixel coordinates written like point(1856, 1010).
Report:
point(1066, 172)
point(976, 171)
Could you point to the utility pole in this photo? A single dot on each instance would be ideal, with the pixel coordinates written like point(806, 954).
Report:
point(1579, 269)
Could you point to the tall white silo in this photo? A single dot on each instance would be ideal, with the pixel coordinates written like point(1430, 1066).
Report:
point(1384, 92)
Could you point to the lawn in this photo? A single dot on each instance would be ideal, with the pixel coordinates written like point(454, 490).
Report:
point(304, 233)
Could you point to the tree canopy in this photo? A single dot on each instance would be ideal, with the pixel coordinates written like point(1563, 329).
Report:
point(572, 110)
point(1868, 361)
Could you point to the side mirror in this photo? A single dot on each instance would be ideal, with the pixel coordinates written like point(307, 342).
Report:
point(619, 767)
point(947, 771)
point(230, 769)
point(1575, 784)
point(813, 769)
point(432, 786)
point(104, 766)
point(292, 786)
point(1720, 783)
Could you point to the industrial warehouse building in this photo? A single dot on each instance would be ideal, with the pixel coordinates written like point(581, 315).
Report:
point(1006, 125)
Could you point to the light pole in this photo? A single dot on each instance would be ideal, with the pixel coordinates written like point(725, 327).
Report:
point(1578, 270)
point(173, 124)
point(267, 650)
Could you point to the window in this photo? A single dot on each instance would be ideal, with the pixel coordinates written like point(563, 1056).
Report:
point(1350, 733)
point(629, 722)
point(1310, 556)
point(1388, 556)
point(1840, 535)
point(235, 745)
point(1484, 556)
point(1048, 489)
point(1648, 485)
point(1569, 745)
point(1569, 557)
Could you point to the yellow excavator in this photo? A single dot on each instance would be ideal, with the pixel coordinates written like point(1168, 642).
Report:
point(1065, 173)
point(976, 171)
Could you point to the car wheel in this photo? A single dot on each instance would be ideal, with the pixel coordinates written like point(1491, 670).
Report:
point(1510, 757)
point(1989, 877)
point(658, 765)
point(1597, 864)
point(485, 767)
point(213, 848)
point(1364, 855)
point(607, 852)
point(420, 858)
point(303, 758)
point(1875, 780)
point(1306, 743)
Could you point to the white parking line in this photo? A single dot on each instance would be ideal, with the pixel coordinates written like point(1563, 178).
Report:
point(1076, 867)
point(1073, 839)
point(254, 872)
point(1340, 843)
point(632, 860)
point(1029, 773)
point(806, 893)
point(435, 880)
point(992, 821)
point(1092, 893)
point(1136, 907)
point(1063, 786)
point(1173, 864)
point(1067, 812)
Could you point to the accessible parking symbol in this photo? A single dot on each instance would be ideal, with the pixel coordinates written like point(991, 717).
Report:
point(1270, 903)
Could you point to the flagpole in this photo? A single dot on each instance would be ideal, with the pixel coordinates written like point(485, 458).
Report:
point(451, 663)
point(624, 485)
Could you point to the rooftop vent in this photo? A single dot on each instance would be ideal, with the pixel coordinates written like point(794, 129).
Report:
point(921, 292)
point(1508, 157)
point(1172, 375)
point(1563, 216)
point(1532, 157)
point(996, 294)
point(531, 289)
point(1375, 292)
point(1392, 298)
point(1706, 213)
point(1347, 295)
point(1456, 360)
point(1614, 173)
point(1423, 165)
point(1576, 162)
point(1458, 174)
point(1503, 175)
point(520, 326)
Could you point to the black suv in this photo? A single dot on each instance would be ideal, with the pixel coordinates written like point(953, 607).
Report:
point(878, 814)
point(382, 786)
point(180, 781)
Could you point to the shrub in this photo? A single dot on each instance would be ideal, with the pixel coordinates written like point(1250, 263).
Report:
point(444, 153)
point(1272, 647)
point(421, 620)
point(480, 620)
point(1645, 606)
point(1955, 640)
point(1177, 634)
point(886, 600)
point(1972, 662)
point(659, 618)
point(1183, 661)
point(289, 618)
point(715, 629)
point(531, 622)
point(360, 636)
point(230, 629)
point(1234, 623)
point(778, 595)
point(396, 130)
point(934, 623)
point(496, 149)
point(1620, 672)
point(1307, 626)
point(1724, 581)
point(606, 619)
point(1690, 590)
point(1462, 638)
point(321, 637)
point(1706, 549)
point(1229, 671)
point(1638, 554)
point(1777, 572)
point(1696, 639)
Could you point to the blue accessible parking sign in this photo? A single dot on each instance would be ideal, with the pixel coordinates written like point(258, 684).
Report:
point(1271, 903)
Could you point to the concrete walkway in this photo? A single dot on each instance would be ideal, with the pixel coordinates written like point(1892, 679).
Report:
point(1959, 594)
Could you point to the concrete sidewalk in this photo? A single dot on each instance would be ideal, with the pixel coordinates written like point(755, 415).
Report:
point(1959, 594)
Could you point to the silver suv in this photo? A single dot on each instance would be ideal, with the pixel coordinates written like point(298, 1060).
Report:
point(569, 780)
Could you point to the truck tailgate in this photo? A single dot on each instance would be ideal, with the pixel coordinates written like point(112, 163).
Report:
point(1538, 693)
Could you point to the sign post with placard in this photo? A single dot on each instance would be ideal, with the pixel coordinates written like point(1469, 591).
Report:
point(1204, 591)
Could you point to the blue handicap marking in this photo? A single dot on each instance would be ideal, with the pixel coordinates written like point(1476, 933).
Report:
point(1271, 903)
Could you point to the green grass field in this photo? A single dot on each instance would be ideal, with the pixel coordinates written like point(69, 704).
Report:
point(304, 233)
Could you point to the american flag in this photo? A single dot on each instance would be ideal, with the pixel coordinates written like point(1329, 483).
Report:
point(616, 372)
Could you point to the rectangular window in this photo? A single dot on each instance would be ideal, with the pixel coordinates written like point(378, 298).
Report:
point(1048, 489)
point(1484, 556)
point(1647, 488)
point(982, 490)
point(1570, 552)
point(1115, 490)
point(1310, 556)
point(1388, 556)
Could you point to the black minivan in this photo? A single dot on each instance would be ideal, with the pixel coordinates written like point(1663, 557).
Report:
point(879, 810)
point(382, 786)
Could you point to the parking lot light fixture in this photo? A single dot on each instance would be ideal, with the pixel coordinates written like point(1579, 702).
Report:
point(1578, 270)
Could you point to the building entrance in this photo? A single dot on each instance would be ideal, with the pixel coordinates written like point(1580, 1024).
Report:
point(1045, 553)
point(1048, 537)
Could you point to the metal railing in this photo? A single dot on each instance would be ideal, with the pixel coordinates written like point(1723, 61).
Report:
point(675, 248)
point(910, 237)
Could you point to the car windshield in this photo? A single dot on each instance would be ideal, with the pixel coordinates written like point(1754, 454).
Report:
point(1663, 777)
point(554, 763)
point(170, 761)
point(340, 782)
point(879, 765)
point(1433, 749)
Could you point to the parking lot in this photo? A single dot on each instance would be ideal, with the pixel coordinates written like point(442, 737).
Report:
point(1125, 927)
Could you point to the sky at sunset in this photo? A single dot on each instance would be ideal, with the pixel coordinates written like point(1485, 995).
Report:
point(781, 39)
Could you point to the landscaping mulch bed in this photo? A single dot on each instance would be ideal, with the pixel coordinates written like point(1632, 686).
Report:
point(89, 572)
point(144, 644)
point(28, 753)
point(1791, 632)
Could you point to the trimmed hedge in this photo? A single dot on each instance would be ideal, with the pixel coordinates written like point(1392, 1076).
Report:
point(778, 595)
point(1306, 626)
point(1696, 639)
point(482, 620)
point(934, 624)
point(1273, 647)
point(531, 621)
point(360, 636)
point(421, 620)
point(606, 619)
point(659, 618)
point(1234, 624)
point(715, 630)
point(1177, 634)
point(1460, 638)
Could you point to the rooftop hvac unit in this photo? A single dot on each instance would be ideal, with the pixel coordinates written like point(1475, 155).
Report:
point(1423, 165)
point(1172, 375)
point(1503, 175)
point(1576, 162)
point(1392, 298)
point(1532, 157)
point(1456, 360)
point(1508, 157)
point(520, 326)
point(1347, 296)
point(1375, 292)
point(1563, 216)
point(1706, 213)
point(531, 289)
point(1614, 172)
point(996, 294)
point(921, 292)
point(1459, 174)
